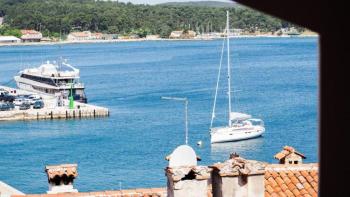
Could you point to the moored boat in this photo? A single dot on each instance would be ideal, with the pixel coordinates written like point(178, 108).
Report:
point(59, 79)
point(240, 126)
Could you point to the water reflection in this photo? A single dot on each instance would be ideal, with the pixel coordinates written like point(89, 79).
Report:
point(245, 148)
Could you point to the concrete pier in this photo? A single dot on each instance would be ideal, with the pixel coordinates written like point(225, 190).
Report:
point(51, 110)
point(85, 111)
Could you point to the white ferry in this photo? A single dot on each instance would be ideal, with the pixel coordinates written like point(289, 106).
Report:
point(54, 79)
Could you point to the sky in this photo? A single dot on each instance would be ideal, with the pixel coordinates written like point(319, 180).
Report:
point(163, 1)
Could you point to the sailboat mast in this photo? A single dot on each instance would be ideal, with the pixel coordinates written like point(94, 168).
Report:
point(228, 68)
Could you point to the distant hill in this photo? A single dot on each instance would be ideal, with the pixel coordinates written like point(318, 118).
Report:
point(218, 4)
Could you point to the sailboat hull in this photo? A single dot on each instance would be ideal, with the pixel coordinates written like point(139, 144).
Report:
point(227, 134)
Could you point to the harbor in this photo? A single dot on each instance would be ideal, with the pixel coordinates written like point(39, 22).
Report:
point(127, 149)
point(52, 90)
point(51, 110)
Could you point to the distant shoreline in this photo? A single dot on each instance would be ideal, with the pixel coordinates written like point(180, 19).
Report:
point(144, 39)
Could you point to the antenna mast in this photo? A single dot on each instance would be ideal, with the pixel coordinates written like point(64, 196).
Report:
point(186, 112)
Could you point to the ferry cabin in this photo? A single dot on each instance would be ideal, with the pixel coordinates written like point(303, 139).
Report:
point(55, 85)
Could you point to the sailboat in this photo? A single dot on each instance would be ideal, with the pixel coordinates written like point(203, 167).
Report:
point(241, 126)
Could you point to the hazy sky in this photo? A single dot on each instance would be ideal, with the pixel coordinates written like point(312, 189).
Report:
point(162, 1)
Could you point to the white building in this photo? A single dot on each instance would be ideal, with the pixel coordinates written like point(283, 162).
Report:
point(152, 37)
point(85, 35)
point(9, 39)
point(175, 34)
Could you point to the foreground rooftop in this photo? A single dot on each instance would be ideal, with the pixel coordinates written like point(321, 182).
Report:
point(237, 177)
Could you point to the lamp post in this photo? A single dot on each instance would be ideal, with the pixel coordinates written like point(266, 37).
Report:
point(186, 112)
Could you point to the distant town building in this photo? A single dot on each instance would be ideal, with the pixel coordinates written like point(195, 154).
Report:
point(78, 36)
point(31, 35)
point(236, 32)
point(97, 36)
point(9, 39)
point(289, 31)
point(46, 39)
point(110, 36)
point(1, 20)
point(175, 34)
point(85, 35)
point(152, 37)
point(134, 36)
point(190, 34)
point(183, 34)
point(123, 37)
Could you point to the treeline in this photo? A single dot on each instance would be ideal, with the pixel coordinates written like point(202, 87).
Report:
point(54, 17)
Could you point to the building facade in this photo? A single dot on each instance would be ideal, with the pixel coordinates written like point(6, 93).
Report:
point(29, 35)
point(9, 39)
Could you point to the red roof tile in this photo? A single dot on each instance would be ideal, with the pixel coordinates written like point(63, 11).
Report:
point(287, 150)
point(292, 181)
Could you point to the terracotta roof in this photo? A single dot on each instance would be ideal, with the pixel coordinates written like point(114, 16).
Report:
point(287, 150)
point(60, 170)
point(280, 180)
point(29, 31)
point(291, 180)
point(149, 192)
point(30, 34)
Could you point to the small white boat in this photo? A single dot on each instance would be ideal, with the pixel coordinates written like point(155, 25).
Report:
point(240, 126)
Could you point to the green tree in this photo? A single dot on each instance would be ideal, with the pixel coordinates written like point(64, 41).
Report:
point(6, 30)
point(65, 16)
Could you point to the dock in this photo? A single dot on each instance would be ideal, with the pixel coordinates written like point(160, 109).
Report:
point(51, 110)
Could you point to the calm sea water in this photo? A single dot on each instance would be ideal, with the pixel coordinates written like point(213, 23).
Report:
point(273, 78)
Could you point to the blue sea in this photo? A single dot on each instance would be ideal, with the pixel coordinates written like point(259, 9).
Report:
point(275, 79)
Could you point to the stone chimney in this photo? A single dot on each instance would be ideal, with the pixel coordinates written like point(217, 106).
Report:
point(61, 177)
point(238, 177)
point(184, 177)
point(289, 156)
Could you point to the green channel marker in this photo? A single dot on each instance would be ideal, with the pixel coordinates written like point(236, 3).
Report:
point(71, 99)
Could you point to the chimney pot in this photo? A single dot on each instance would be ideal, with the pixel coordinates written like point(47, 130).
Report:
point(61, 178)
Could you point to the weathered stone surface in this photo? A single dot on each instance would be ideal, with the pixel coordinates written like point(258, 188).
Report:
point(239, 166)
point(199, 172)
